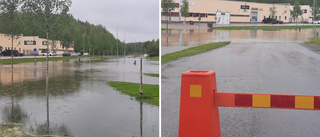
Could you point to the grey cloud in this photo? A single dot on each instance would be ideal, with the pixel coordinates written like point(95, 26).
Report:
point(137, 19)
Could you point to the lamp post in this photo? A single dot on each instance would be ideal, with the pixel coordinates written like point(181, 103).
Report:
point(84, 35)
point(117, 42)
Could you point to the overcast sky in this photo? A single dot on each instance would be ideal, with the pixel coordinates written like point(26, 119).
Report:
point(136, 20)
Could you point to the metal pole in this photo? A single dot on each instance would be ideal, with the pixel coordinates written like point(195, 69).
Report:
point(84, 34)
point(124, 46)
point(140, 76)
point(117, 42)
point(314, 14)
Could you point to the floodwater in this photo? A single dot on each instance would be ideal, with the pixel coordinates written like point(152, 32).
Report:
point(80, 101)
point(176, 40)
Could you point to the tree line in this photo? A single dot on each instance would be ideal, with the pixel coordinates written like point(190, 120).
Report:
point(53, 22)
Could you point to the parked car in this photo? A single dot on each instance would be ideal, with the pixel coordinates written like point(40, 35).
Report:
point(78, 54)
point(316, 22)
point(8, 53)
point(50, 54)
point(66, 54)
point(86, 54)
point(273, 21)
point(73, 54)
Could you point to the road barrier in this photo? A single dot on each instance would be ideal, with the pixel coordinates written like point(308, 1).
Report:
point(199, 102)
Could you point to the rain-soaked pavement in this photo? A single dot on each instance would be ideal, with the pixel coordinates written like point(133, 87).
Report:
point(80, 101)
point(271, 62)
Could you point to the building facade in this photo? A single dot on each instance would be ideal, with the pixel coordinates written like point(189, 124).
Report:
point(32, 45)
point(239, 11)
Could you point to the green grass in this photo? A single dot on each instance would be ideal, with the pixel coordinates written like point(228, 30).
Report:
point(152, 74)
point(316, 42)
point(191, 51)
point(154, 58)
point(27, 60)
point(162, 29)
point(261, 27)
point(150, 92)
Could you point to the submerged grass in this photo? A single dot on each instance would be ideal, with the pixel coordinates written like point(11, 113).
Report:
point(262, 27)
point(150, 92)
point(191, 51)
point(26, 60)
point(152, 74)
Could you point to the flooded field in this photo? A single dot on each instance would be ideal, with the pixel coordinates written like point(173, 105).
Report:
point(176, 40)
point(80, 102)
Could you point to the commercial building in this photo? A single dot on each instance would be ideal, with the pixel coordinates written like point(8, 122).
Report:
point(239, 11)
point(32, 45)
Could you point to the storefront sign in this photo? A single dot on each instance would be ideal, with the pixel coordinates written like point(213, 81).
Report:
point(245, 7)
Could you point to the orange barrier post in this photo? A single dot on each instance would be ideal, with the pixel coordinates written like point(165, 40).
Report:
point(199, 114)
point(199, 102)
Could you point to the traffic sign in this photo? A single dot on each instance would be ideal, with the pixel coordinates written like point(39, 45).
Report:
point(256, 20)
point(35, 49)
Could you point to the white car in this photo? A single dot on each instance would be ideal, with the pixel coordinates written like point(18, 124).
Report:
point(50, 54)
point(86, 54)
point(316, 22)
point(73, 54)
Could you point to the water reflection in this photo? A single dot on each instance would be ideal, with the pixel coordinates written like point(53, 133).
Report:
point(81, 103)
point(183, 38)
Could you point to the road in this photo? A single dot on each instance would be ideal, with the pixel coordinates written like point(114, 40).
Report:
point(251, 67)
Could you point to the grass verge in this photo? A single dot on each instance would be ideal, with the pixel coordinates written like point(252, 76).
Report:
point(317, 42)
point(262, 27)
point(162, 29)
point(27, 60)
point(150, 92)
point(154, 58)
point(191, 51)
point(152, 74)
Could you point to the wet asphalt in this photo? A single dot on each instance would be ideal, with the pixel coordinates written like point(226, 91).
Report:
point(251, 67)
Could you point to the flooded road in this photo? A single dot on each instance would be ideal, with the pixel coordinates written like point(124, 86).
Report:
point(271, 62)
point(80, 101)
point(180, 39)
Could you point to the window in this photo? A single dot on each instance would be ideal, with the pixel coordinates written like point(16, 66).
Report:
point(304, 11)
point(285, 17)
point(177, 5)
point(198, 14)
point(279, 17)
point(235, 15)
point(190, 14)
point(276, 17)
point(19, 49)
